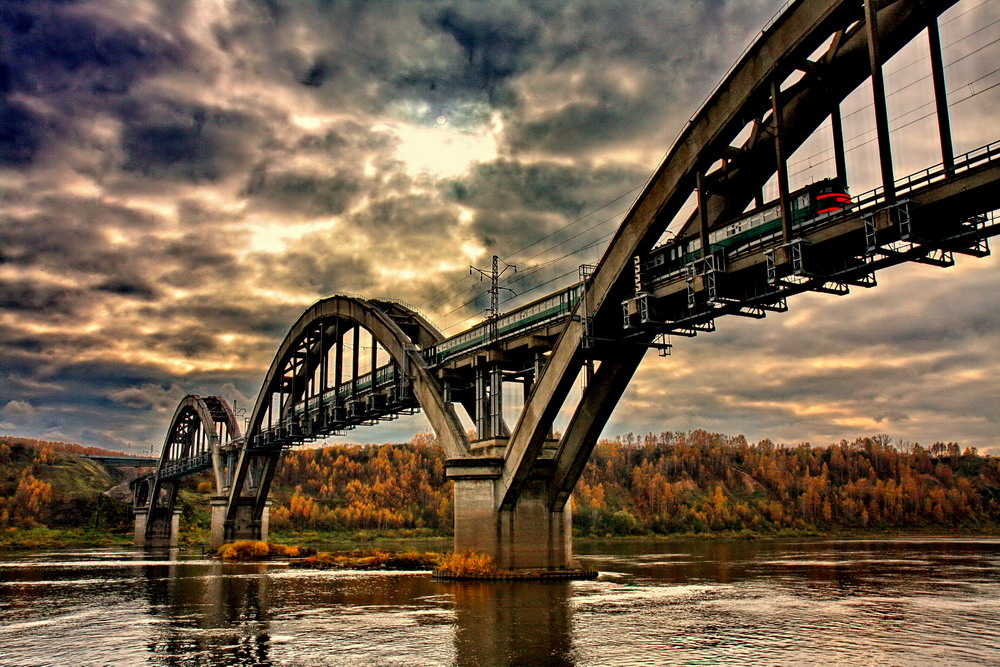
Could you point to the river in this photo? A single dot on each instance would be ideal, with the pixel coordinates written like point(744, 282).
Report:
point(708, 602)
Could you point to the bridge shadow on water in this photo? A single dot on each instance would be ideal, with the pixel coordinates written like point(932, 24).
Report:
point(512, 623)
point(209, 614)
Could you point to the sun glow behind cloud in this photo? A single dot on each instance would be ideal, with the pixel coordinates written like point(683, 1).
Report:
point(443, 150)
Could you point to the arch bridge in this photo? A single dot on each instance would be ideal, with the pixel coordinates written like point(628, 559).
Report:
point(351, 361)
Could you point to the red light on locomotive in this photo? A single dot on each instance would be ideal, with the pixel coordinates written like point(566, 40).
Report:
point(841, 199)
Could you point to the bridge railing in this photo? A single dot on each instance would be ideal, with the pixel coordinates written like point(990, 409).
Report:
point(341, 408)
point(938, 172)
point(908, 184)
point(186, 466)
point(869, 200)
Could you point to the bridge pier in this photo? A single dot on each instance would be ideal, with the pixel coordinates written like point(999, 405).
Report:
point(530, 536)
point(141, 513)
point(160, 530)
point(244, 527)
point(217, 533)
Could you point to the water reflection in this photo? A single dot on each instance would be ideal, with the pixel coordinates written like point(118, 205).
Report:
point(698, 602)
point(512, 623)
point(216, 613)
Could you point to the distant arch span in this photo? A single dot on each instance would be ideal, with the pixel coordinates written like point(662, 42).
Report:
point(291, 381)
point(397, 327)
point(199, 428)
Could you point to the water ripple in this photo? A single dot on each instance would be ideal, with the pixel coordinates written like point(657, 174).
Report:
point(794, 602)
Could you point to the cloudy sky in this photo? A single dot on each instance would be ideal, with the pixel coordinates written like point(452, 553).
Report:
point(180, 179)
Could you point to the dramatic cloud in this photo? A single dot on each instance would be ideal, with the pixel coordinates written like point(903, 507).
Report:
point(179, 180)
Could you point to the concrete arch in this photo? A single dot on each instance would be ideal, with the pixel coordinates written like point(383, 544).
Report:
point(396, 327)
point(411, 321)
point(372, 315)
point(181, 455)
point(209, 412)
point(190, 404)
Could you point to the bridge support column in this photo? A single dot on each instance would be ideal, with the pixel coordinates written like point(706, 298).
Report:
point(159, 530)
point(141, 514)
point(531, 536)
point(246, 526)
point(217, 536)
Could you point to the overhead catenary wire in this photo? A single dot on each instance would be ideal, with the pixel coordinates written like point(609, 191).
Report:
point(951, 103)
point(869, 105)
point(446, 289)
point(513, 255)
point(524, 274)
point(590, 245)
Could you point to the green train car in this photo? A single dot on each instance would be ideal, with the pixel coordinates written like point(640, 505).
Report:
point(531, 316)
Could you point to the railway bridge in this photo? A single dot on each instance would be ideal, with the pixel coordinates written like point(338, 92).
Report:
point(663, 272)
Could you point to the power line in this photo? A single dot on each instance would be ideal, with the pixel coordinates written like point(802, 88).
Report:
point(570, 224)
point(529, 272)
point(525, 274)
point(898, 90)
point(590, 245)
point(454, 284)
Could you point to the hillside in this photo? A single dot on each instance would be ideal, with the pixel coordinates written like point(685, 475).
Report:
point(674, 482)
point(49, 484)
point(707, 482)
point(55, 445)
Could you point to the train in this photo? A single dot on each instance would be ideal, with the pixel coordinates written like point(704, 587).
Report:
point(532, 316)
point(816, 201)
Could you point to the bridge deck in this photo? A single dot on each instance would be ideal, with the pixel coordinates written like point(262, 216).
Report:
point(936, 215)
point(124, 461)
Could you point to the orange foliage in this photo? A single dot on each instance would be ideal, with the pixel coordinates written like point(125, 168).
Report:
point(355, 487)
point(31, 503)
point(671, 482)
point(700, 481)
point(464, 563)
point(255, 550)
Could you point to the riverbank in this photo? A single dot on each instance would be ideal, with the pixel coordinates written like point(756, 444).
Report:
point(423, 540)
point(53, 538)
point(989, 530)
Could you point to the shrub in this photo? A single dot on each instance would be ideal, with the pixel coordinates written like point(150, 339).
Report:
point(462, 563)
point(253, 550)
point(244, 550)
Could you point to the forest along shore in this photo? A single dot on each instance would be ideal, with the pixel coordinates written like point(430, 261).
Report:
point(669, 484)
